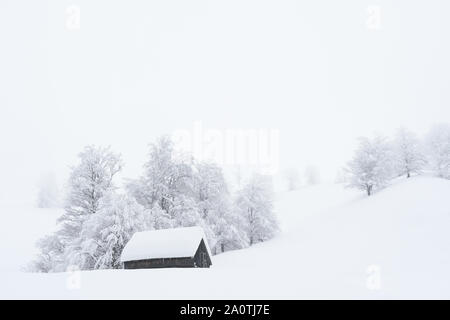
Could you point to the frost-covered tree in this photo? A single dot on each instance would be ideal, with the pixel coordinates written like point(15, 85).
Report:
point(254, 203)
point(210, 187)
point(89, 181)
point(185, 212)
point(177, 191)
point(48, 192)
point(214, 205)
point(159, 219)
point(408, 154)
point(106, 232)
point(312, 175)
point(438, 145)
point(372, 165)
point(180, 192)
point(341, 176)
point(230, 231)
point(51, 254)
point(166, 177)
point(292, 179)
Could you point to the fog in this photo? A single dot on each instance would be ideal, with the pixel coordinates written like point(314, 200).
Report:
point(121, 73)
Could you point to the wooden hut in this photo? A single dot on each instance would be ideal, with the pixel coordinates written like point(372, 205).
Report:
point(168, 248)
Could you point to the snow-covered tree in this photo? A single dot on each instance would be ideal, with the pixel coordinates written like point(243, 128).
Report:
point(180, 192)
point(292, 178)
point(341, 176)
point(210, 187)
point(165, 177)
point(372, 165)
point(254, 203)
point(215, 207)
point(312, 175)
point(438, 145)
point(51, 254)
point(185, 212)
point(48, 192)
point(106, 232)
point(408, 154)
point(88, 183)
point(230, 231)
point(159, 219)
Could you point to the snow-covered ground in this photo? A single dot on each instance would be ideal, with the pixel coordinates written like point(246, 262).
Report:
point(335, 243)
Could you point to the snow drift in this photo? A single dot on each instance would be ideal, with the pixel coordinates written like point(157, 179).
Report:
point(334, 243)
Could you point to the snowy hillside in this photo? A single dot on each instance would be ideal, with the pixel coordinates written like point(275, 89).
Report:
point(334, 243)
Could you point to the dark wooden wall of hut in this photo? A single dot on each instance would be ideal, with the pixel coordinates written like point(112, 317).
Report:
point(201, 259)
point(160, 263)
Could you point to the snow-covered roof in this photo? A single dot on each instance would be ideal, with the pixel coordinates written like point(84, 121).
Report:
point(166, 243)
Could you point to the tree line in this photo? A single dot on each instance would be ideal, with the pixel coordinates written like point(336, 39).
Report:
point(174, 190)
point(378, 160)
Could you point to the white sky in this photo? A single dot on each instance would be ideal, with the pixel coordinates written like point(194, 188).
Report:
point(137, 69)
